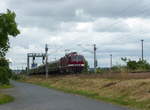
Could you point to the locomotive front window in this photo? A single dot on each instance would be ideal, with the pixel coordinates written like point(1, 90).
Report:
point(74, 58)
point(69, 58)
point(80, 58)
point(77, 58)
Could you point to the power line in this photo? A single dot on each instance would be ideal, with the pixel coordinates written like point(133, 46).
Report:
point(93, 52)
point(85, 49)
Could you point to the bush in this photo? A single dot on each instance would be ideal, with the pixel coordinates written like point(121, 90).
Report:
point(141, 65)
point(15, 77)
point(138, 65)
point(102, 70)
point(116, 69)
point(5, 74)
point(132, 65)
point(19, 77)
point(144, 65)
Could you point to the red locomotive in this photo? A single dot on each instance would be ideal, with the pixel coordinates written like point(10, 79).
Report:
point(70, 63)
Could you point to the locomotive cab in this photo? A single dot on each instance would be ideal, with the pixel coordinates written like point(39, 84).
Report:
point(76, 62)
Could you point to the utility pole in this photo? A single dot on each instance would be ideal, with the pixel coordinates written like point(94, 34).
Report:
point(142, 48)
point(46, 66)
point(110, 61)
point(95, 61)
point(28, 64)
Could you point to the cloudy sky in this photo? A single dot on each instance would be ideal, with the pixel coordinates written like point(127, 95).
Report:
point(115, 26)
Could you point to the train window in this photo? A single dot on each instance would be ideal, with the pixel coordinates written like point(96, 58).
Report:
point(77, 58)
point(73, 58)
point(69, 58)
point(80, 58)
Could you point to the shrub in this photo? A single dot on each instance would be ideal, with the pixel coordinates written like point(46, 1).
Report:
point(5, 74)
point(116, 69)
point(15, 77)
point(141, 65)
point(18, 77)
point(102, 70)
point(138, 65)
point(144, 65)
point(132, 65)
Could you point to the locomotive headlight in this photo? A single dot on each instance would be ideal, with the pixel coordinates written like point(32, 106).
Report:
point(71, 65)
point(82, 64)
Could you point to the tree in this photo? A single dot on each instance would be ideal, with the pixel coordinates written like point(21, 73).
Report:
point(124, 59)
point(4, 62)
point(132, 65)
point(8, 27)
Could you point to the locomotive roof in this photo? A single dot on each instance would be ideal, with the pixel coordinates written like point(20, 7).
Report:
point(72, 53)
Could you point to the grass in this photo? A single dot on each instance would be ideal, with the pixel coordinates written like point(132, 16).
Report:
point(5, 86)
point(3, 97)
point(130, 92)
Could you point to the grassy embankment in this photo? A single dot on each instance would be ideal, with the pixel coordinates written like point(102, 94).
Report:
point(3, 97)
point(129, 91)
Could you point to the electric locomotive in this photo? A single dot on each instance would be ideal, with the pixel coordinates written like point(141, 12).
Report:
point(70, 63)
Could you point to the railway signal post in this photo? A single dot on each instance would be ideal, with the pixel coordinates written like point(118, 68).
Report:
point(33, 56)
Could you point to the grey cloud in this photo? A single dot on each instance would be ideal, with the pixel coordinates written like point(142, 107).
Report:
point(34, 22)
point(66, 8)
point(55, 21)
point(111, 25)
point(49, 14)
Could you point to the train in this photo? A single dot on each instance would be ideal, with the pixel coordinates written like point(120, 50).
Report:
point(70, 63)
